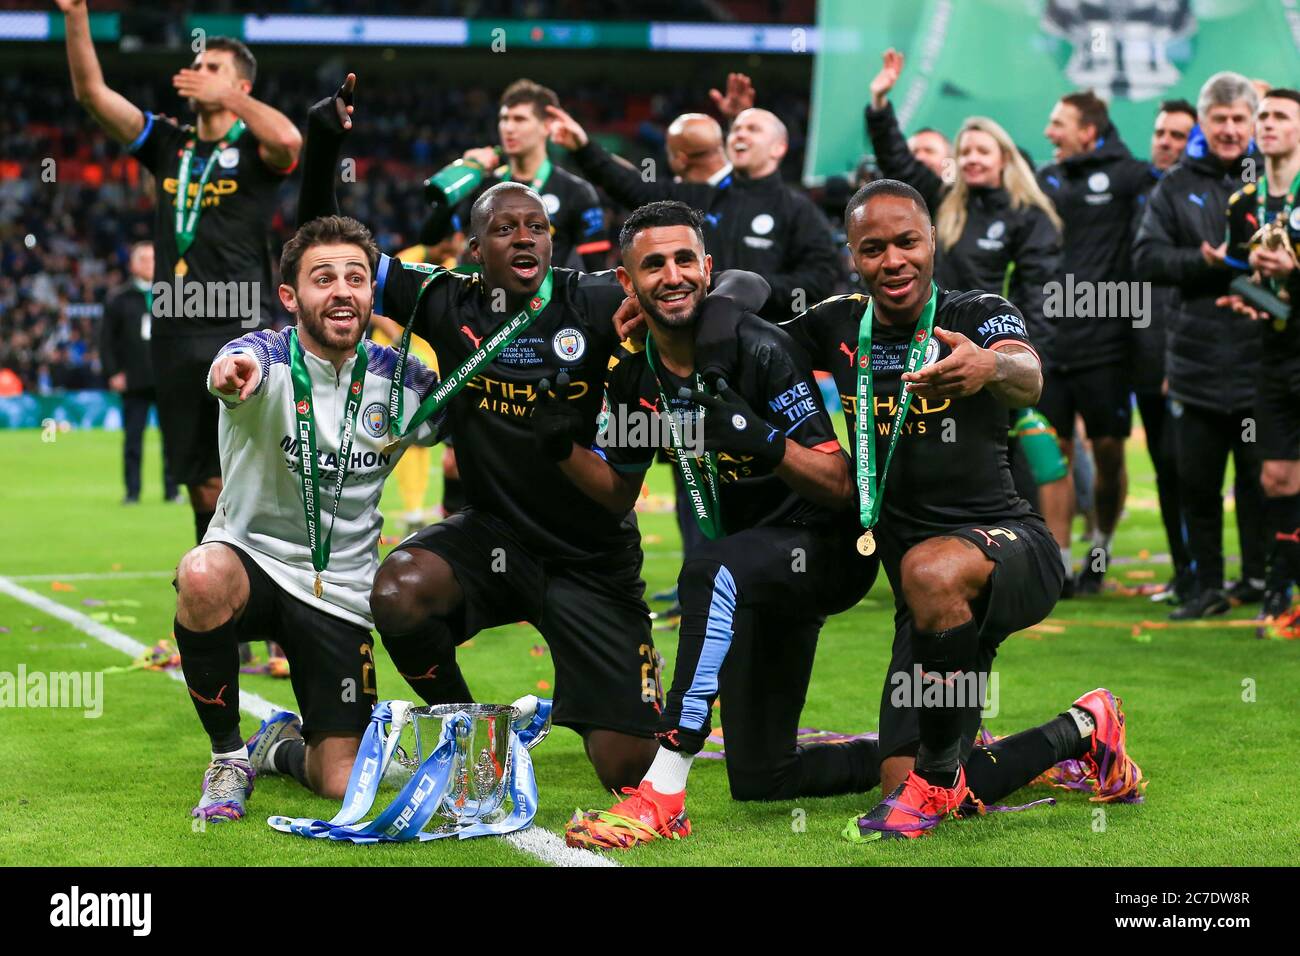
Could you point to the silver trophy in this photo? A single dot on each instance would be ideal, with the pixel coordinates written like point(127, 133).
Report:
point(481, 763)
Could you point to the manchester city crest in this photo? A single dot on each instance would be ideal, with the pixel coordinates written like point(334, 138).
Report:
point(569, 344)
point(375, 419)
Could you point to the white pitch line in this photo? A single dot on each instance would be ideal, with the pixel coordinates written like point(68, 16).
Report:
point(535, 841)
point(250, 703)
point(93, 576)
point(549, 848)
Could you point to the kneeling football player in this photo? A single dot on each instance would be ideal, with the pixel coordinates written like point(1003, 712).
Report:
point(968, 559)
point(528, 545)
point(293, 548)
point(774, 507)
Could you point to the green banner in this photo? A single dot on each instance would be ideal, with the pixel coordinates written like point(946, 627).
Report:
point(1012, 59)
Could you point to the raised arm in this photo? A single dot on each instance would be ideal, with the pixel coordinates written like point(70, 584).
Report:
point(279, 142)
point(887, 141)
point(624, 183)
point(328, 123)
point(117, 115)
point(738, 97)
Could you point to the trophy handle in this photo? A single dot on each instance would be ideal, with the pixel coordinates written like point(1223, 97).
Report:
point(534, 722)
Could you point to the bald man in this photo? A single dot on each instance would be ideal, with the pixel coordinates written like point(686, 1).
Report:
point(696, 152)
point(752, 219)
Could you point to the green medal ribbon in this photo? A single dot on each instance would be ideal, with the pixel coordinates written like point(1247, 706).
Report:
point(543, 174)
point(701, 486)
point(465, 372)
point(187, 214)
point(870, 493)
point(302, 402)
point(1263, 199)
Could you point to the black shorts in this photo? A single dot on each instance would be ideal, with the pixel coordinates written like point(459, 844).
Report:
point(593, 617)
point(187, 411)
point(1023, 589)
point(1103, 395)
point(331, 665)
point(1277, 408)
point(746, 590)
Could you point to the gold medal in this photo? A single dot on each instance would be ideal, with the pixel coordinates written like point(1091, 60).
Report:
point(867, 544)
point(319, 589)
point(181, 267)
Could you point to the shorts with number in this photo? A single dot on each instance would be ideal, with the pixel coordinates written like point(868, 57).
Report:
point(1022, 590)
point(592, 615)
point(331, 665)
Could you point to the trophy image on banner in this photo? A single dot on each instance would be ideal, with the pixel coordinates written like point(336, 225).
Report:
point(471, 774)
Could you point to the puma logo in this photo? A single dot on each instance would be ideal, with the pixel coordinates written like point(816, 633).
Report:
point(427, 675)
point(987, 539)
point(1293, 536)
point(653, 406)
point(844, 347)
point(476, 339)
point(204, 700)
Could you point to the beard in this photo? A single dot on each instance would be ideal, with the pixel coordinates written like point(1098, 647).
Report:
point(678, 320)
point(313, 320)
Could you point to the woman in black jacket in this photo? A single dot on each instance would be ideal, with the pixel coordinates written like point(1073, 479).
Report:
point(997, 230)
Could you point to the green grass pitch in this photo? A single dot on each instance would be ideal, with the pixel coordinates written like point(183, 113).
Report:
point(1213, 712)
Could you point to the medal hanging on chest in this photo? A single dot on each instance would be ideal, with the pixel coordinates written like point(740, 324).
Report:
point(188, 209)
point(870, 475)
point(317, 540)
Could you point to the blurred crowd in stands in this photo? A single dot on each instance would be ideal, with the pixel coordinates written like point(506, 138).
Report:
point(66, 226)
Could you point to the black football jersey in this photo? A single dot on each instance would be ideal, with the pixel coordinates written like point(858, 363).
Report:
point(772, 378)
point(951, 466)
point(232, 238)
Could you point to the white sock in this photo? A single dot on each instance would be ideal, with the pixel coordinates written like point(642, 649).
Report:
point(1102, 541)
point(1065, 560)
point(240, 754)
point(1083, 720)
point(270, 754)
point(669, 771)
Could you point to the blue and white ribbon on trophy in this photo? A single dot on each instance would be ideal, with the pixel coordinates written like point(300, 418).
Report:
point(431, 788)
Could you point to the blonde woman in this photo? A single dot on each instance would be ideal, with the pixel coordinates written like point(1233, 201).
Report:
point(997, 230)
